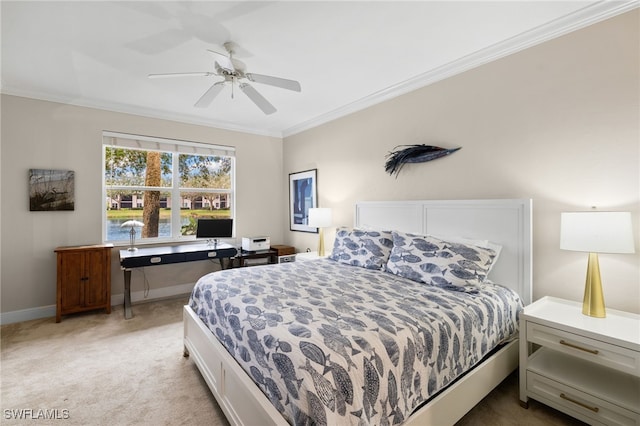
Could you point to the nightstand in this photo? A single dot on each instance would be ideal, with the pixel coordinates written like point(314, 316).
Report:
point(286, 254)
point(308, 255)
point(586, 367)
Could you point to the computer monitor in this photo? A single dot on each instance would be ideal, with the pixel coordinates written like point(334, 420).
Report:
point(212, 229)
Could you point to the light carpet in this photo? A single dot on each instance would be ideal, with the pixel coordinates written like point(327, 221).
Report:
point(99, 369)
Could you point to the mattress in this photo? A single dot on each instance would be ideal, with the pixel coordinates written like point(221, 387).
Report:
point(330, 343)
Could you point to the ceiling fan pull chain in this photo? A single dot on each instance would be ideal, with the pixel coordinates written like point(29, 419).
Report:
point(229, 48)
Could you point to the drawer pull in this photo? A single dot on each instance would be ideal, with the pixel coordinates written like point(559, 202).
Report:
point(591, 351)
point(588, 407)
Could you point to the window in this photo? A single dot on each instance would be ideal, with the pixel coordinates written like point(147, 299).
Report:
point(165, 184)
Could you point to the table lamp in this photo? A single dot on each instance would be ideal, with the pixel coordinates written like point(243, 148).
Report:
point(132, 234)
point(320, 218)
point(596, 232)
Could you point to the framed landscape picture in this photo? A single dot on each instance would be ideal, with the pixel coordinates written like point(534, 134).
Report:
point(51, 190)
point(303, 195)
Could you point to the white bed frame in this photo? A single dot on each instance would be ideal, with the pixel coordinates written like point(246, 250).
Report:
point(505, 222)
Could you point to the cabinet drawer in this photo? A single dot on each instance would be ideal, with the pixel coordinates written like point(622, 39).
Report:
point(602, 353)
point(577, 403)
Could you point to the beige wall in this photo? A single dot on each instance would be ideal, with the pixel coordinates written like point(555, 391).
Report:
point(558, 123)
point(39, 134)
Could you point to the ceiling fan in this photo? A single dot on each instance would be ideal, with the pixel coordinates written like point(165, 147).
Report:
point(234, 72)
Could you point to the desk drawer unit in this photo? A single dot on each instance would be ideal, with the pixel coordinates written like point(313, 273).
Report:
point(139, 262)
point(211, 254)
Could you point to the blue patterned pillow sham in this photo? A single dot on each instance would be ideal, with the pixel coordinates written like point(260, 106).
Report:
point(368, 249)
point(452, 265)
point(474, 242)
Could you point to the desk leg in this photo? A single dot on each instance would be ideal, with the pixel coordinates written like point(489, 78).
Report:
point(229, 263)
point(127, 294)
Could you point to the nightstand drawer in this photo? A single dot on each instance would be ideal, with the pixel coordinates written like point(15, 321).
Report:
point(578, 404)
point(602, 353)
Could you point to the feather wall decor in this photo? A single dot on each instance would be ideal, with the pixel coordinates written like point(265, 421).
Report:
point(413, 154)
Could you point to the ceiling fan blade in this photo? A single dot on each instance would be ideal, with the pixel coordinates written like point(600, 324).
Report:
point(275, 81)
point(258, 99)
point(208, 97)
point(181, 74)
point(223, 60)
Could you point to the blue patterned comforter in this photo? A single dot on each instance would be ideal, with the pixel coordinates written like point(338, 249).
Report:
point(334, 344)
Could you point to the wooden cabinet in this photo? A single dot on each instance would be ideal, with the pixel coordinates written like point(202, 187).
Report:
point(586, 367)
point(83, 279)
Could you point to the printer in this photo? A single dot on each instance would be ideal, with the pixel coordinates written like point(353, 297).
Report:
point(256, 243)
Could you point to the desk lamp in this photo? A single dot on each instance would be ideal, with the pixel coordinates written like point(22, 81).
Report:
point(596, 232)
point(132, 233)
point(320, 218)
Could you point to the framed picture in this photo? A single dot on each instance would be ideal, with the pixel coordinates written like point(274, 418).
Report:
point(303, 195)
point(51, 190)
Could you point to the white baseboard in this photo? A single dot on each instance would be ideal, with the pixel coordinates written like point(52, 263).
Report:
point(116, 300)
point(27, 314)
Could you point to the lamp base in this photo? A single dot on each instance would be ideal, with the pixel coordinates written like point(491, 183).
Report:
point(132, 239)
point(593, 302)
point(321, 244)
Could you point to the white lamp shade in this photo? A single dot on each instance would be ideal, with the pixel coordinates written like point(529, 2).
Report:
point(132, 223)
point(320, 217)
point(597, 232)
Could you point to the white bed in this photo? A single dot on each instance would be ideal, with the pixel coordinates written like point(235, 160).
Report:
point(504, 222)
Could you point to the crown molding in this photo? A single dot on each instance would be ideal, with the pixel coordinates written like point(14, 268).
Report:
point(582, 18)
point(136, 110)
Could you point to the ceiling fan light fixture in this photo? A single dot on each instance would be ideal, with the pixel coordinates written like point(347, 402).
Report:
point(233, 71)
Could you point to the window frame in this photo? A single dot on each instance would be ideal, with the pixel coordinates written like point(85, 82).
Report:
point(174, 147)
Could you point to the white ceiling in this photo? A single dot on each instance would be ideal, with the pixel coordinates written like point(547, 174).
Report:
point(346, 55)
